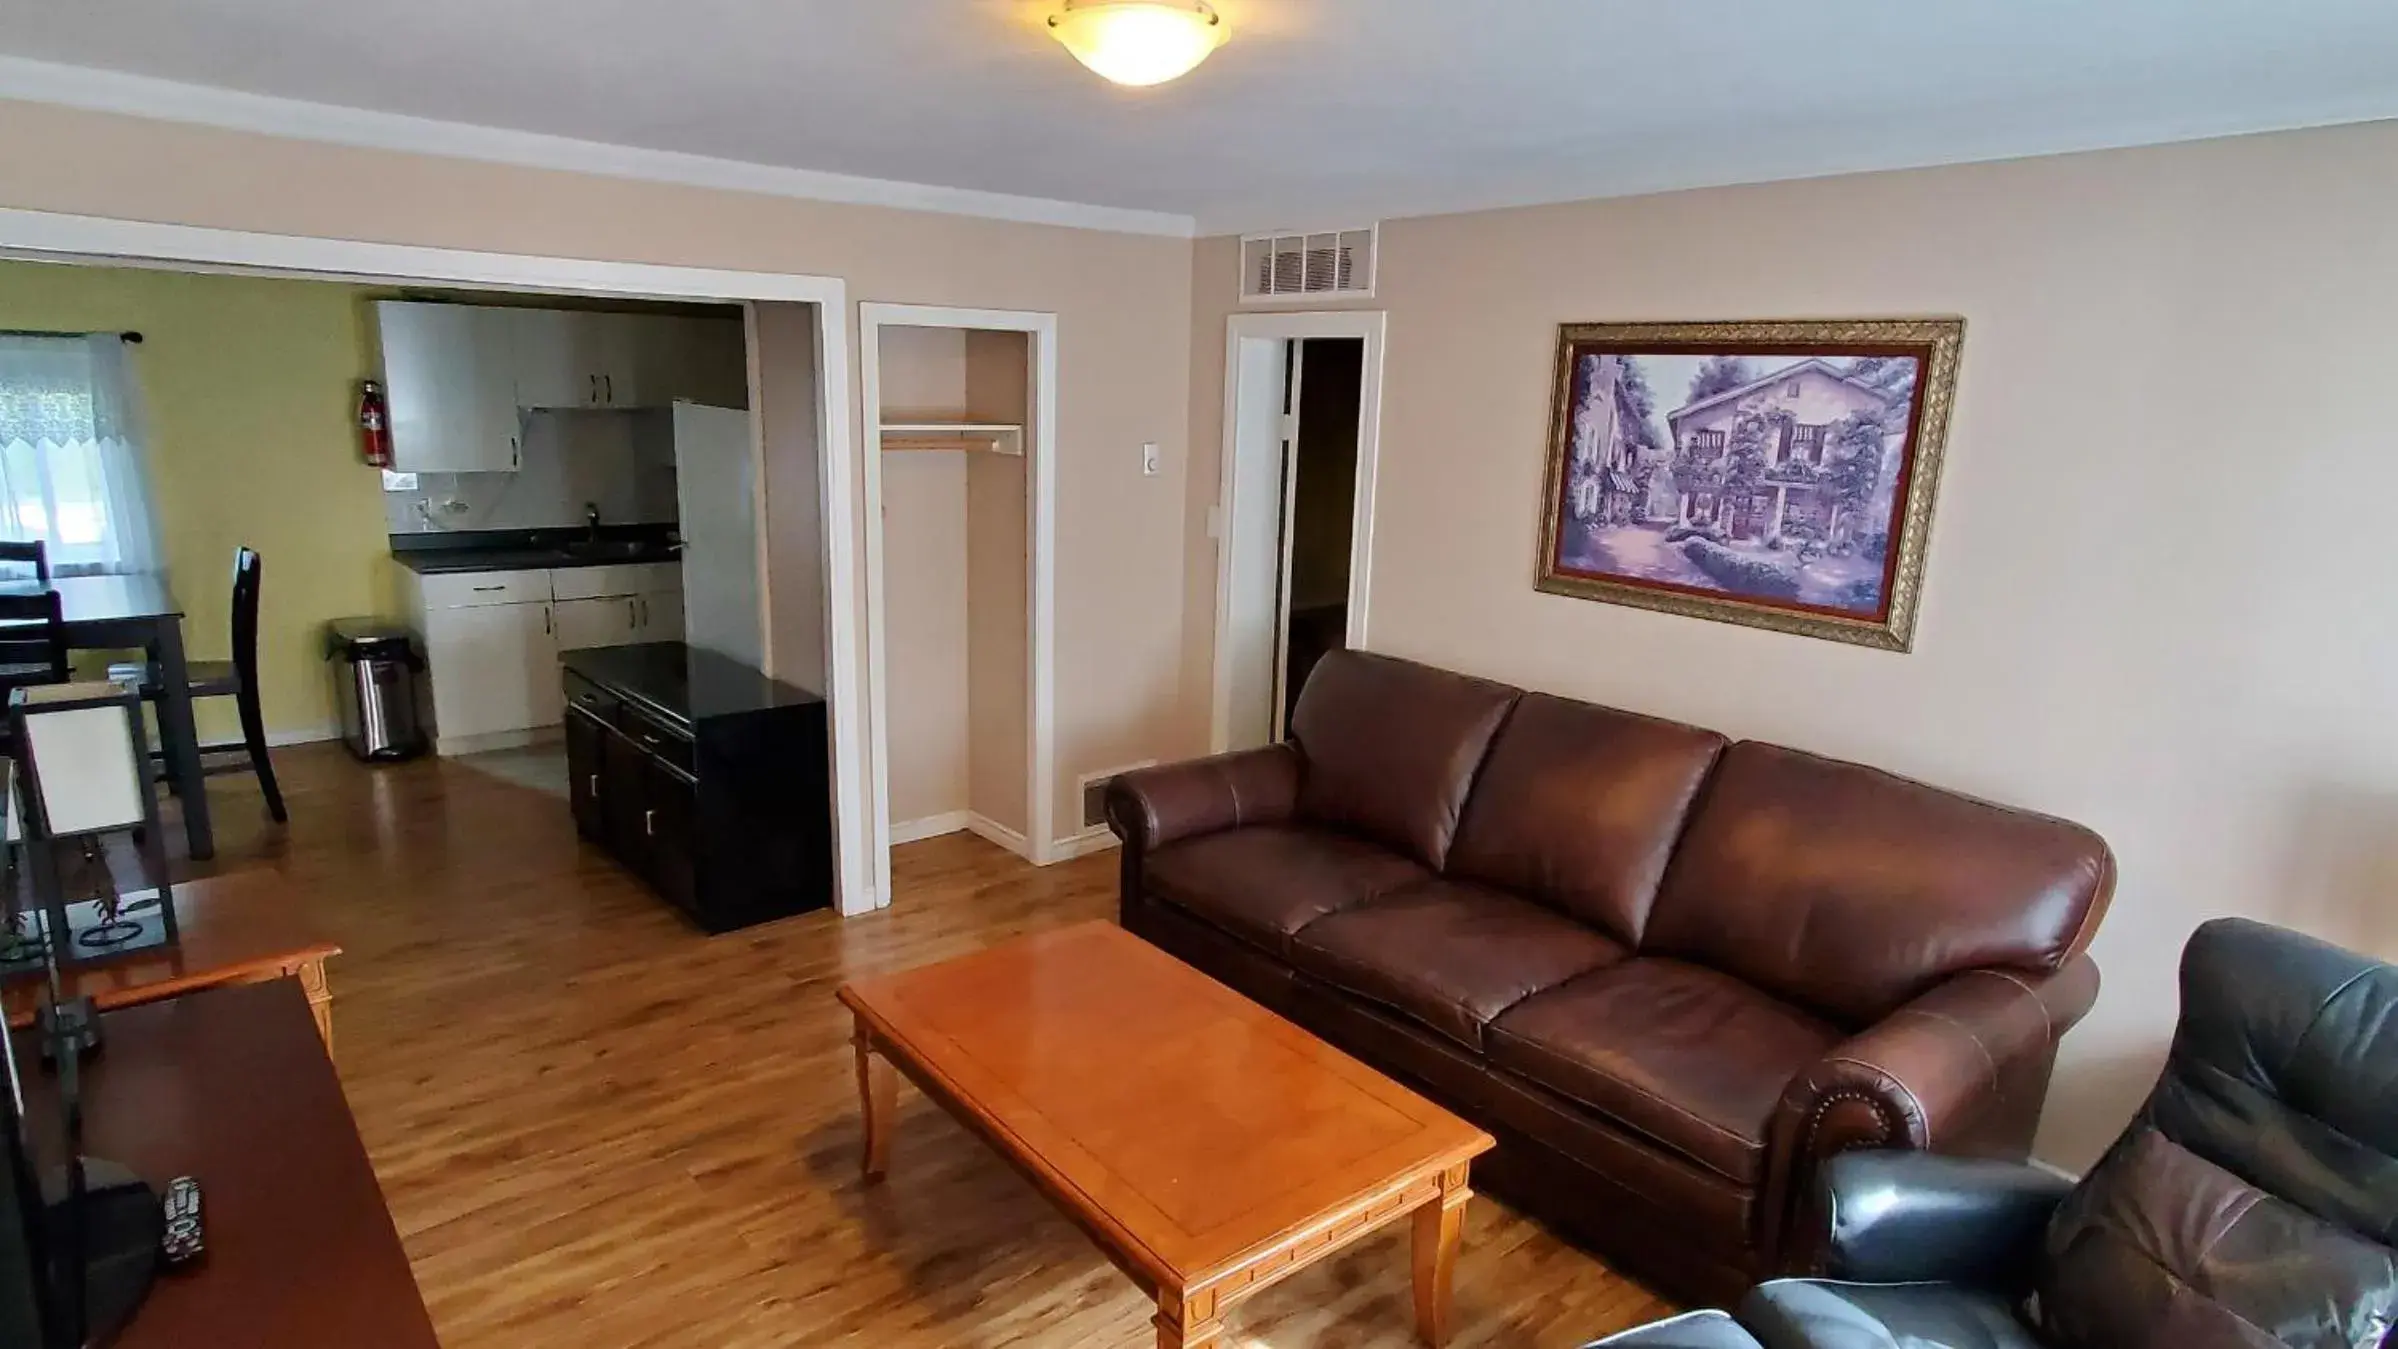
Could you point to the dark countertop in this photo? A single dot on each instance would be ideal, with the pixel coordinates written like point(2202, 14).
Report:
point(685, 683)
point(530, 549)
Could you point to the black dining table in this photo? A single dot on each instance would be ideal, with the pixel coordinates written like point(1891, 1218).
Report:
point(138, 609)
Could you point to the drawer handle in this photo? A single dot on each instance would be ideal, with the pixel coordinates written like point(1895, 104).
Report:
point(486, 590)
point(648, 739)
point(649, 822)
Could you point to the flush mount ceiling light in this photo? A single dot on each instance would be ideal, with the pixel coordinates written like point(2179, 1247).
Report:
point(1139, 42)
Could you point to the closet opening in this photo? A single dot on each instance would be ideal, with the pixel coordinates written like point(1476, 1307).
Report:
point(957, 610)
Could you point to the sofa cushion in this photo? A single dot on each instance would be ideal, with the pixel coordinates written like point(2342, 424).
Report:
point(1578, 806)
point(1693, 1059)
point(1449, 956)
point(1392, 746)
point(1820, 1313)
point(1849, 890)
point(2159, 1246)
point(1264, 883)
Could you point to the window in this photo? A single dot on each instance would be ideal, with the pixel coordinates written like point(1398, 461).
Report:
point(1806, 443)
point(70, 458)
point(1709, 442)
point(1791, 390)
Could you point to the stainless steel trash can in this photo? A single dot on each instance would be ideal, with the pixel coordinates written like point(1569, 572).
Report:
point(375, 663)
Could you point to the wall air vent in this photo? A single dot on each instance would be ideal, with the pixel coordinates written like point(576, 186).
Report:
point(1308, 266)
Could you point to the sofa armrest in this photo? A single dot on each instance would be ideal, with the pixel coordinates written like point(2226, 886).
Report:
point(1962, 1069)
point(1914, 1217)
point(1153, 806)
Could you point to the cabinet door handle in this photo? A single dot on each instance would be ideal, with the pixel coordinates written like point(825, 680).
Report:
point(515, 459)
point(594, 387)
point(546, 629)
point(649, 822)
point(632, 613)
point(595, 784)
point(610, 382)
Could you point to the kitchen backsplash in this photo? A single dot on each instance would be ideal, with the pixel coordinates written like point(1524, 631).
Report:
point(621, 462)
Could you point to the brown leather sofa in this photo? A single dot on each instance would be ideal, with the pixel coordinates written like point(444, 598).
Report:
point(1670, 974)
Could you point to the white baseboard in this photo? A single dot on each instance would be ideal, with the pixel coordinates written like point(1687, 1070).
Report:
point(1098, 839)
point(931, 826)
point(451, 746)
point(984, 827)
point(302, 735)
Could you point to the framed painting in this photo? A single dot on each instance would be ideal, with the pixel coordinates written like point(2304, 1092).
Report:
point(1778, 474)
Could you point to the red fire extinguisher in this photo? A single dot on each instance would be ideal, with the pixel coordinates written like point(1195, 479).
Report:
point(374, 425)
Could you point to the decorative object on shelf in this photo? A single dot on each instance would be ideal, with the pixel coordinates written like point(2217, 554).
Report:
point(1776, 474)
point(85, 778)
point(1139, 42)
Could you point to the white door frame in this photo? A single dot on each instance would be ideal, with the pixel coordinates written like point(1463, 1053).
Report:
point(51, 237)
point(1042, 846)
point(1367, 325)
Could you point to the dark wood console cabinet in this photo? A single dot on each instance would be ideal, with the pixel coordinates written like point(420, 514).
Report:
point(704, 777)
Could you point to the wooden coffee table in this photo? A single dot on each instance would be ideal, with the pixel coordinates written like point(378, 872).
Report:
point(1208, 1146)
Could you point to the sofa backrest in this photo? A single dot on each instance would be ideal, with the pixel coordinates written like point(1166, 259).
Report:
point(1578, 807)
point(2284, 1069)
point(1390, 748)
point(1849, 890)
point(2255, 1197)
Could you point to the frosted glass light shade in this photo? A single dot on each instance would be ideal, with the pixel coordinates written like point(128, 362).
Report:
point(1139, 42)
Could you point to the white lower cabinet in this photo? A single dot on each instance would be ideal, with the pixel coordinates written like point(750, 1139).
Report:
point(492, 641)
point(661, 616)
point(595, 622)
point(494, 669)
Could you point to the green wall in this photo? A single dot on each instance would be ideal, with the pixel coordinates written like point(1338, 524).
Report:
point(249, 386)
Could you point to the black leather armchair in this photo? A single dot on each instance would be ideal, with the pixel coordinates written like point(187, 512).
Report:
point(2253, 1201)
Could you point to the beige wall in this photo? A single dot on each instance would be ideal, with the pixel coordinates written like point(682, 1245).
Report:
point(925, 662)
point(784, 353)
point(2152, 607)
point(1122, 301)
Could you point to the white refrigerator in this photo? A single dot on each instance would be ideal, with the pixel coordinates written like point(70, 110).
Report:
point(716, 500)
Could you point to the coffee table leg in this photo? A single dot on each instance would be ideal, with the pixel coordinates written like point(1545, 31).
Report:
point(1192, 1324)
point(878, 1101)
point(1438, 1225)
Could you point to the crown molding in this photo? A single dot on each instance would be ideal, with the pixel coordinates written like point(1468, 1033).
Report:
point(112, 91)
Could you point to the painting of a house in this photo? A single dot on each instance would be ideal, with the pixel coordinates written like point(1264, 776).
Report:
point(1772, 475)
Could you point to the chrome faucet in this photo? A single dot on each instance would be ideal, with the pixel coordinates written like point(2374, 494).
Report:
point(591, 519)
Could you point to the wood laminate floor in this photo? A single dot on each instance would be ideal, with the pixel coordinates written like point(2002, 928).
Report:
point(597, 1128)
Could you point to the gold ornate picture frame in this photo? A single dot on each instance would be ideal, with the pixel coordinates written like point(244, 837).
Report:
point(1779, 474)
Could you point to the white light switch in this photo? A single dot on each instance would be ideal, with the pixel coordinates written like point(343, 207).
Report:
point(1149, 464)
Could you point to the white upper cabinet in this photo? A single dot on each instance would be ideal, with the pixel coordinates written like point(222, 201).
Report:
point(458, 375)
point(556, 357)
point(449, 380)
point(580, 359)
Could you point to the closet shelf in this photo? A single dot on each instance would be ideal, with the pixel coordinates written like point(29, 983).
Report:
point(990, 437)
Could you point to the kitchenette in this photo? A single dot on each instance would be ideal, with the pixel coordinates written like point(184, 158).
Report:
point(573, 504)
point(562, 480)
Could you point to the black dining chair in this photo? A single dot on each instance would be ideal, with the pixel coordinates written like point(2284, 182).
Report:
point(19, 554)
point(236, 679)
point(33, 640)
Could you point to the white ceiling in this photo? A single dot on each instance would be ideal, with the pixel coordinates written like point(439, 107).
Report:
point(1317, 112)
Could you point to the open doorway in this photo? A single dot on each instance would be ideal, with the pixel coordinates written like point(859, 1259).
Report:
point(1294, 522)
point(529, 299)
